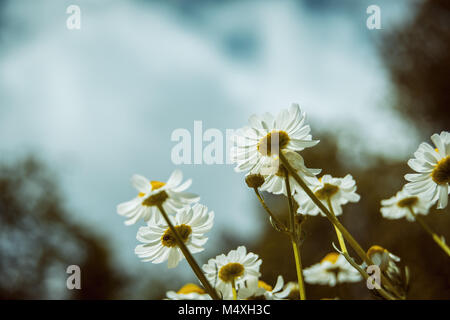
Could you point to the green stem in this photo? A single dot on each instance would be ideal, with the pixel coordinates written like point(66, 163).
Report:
point(338, 233)
point(435, 237)
point(298, 267)
point(364, 274)
point(195, 267)
point(233, 289)
point(269, 212)
point(353, 243)
point(294, 237)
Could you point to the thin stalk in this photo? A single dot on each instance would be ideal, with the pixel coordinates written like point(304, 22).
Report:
point(435, 237)
point(338, 233)
point(295, 246)
point(190, 259)
point(298, 266)
point(233, 289)
point(353, 243)
point(269, 212)
point(364, 274)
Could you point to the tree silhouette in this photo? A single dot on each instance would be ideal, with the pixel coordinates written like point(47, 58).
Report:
point(38, 241)
point(418, 59)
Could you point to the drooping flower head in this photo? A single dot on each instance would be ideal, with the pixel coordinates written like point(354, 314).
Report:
point(276, 183)
point(169, 194)
point(257, 146)
point(399, 206)
point(255, 289)
point(333, 269)
point(389, 265)
point(383, 258)
point(159, 243)
point(237, 266)
point(340, 191)
point(433, 170)
point(189, 291)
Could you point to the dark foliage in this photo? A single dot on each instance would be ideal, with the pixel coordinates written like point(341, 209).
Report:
point(418, 60)
point(38, 241)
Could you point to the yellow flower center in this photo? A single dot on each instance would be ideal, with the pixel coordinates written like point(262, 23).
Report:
point(190, 288)
point(407, 202)
point(231, 271)
point(155, 200)
point(441, 172)
point(168, 238)
point(375, 249)
point(276, 139)
point(254, 180)
point(327, 191)
point(331, 257)
point(265, 286)
point(155, 185)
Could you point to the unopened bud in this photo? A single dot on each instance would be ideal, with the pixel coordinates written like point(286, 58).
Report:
point(254, 180)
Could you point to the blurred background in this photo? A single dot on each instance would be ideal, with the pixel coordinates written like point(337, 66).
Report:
point(83, 110)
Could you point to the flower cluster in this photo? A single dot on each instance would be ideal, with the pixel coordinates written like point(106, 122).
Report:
point(269, 150)
point(331, 270)
point(159, 243)
point(257, 150)
point(170, 195)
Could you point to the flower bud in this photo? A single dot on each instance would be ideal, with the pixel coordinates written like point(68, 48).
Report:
point(254, 180)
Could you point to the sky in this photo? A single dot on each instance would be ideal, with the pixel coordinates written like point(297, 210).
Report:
point(100, 103)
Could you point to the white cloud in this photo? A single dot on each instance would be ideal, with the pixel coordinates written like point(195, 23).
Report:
point(100, 104)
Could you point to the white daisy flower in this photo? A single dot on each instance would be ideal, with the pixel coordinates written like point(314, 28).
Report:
point(152, 193)
point(333, 269)
point(276, 183)
point(159, 242)
point(384, 259)
point(277, 292)
point(189, 291)
point(257, 146)
point(237, 266)
point(339, 190)
point(433, 167)
point(290, 291)
point(398, 206)
point(389, 265)
point(255, 289)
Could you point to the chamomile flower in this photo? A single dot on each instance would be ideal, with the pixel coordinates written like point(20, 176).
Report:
point(256, 289)
point(340, 191)
point(290, 291)
point(169, 194)
point(257, 146)
point(276, 183)
point(236, 267)
point(333, 269)
point(383, 258)
point(433, 170)
point(189, 291)
point(399, 205)
point(159, 243)
point(389, 264)
point(277, 292)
